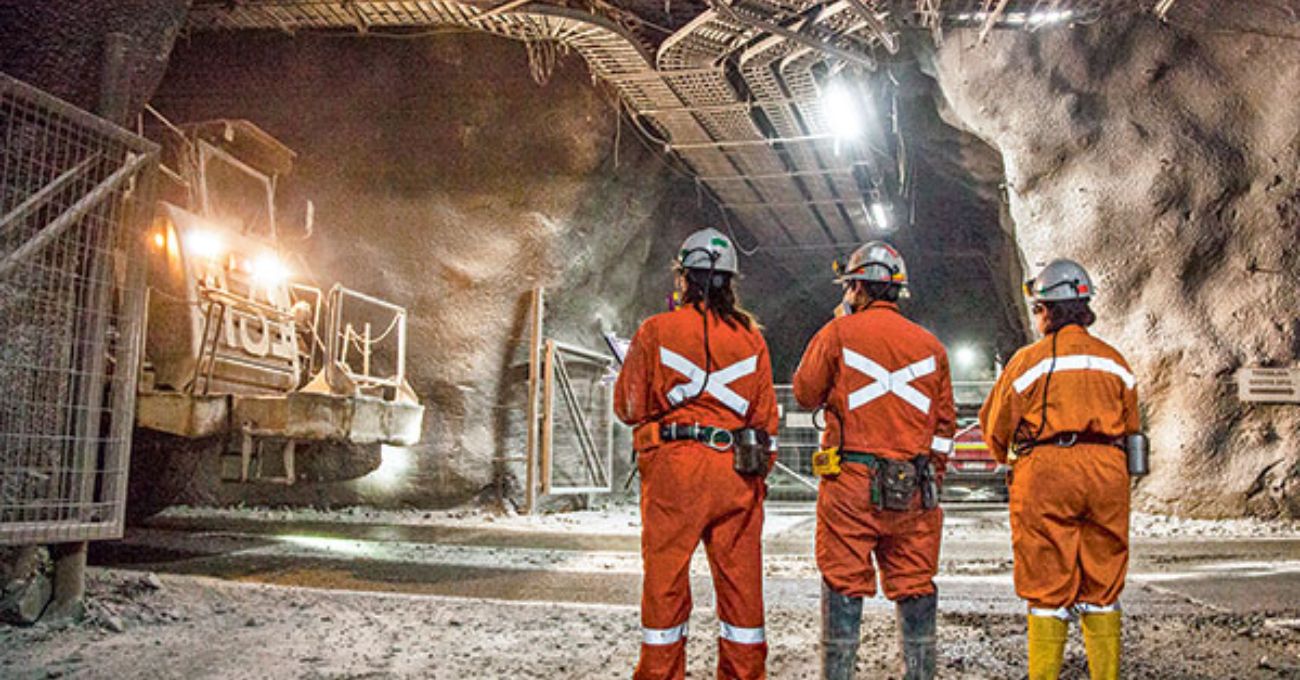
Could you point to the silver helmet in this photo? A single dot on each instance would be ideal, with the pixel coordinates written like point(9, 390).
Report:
point(874, 261)
point(1060, 280)
point(708, 249)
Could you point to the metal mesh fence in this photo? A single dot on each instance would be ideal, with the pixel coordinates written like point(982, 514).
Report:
point(799, 440)
point(582, 460)
point(70, 186)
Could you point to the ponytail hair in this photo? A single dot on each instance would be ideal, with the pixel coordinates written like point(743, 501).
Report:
point(721, 299)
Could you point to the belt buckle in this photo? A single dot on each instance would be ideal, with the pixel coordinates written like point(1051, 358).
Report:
point(1067, 442)
point(720, 439)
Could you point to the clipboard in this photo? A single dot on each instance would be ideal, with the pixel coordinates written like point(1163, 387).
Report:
point(618, 347)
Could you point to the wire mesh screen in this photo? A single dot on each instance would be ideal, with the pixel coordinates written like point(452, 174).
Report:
point(71, 189)
point(798, 441)
point(579, 443)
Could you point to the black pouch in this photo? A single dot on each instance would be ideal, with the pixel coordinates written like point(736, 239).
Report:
point(927, 481)
point(749, 450)
point(898, 484)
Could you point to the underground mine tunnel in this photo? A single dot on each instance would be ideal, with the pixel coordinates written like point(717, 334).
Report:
point(315, 318)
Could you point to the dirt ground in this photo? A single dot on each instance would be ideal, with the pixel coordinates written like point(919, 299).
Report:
point(146, 626)
point(360, 593)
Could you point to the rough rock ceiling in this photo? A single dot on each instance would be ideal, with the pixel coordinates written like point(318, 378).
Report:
point(734, 89)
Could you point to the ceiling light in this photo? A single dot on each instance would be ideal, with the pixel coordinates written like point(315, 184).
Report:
point(880, 216)
point(842, 112)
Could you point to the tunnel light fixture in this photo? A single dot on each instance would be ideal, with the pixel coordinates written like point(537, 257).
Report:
point(966, 356)
point(1050, 17)
point(1019, 18)
point(880, 216)
point(842, 112)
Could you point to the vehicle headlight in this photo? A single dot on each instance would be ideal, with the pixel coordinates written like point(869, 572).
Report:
point(268, 270)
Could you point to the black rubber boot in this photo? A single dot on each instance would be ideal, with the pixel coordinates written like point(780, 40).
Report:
point(916, 624)
point(841, 631)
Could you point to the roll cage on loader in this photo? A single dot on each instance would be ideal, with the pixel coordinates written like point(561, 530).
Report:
point(241, 356)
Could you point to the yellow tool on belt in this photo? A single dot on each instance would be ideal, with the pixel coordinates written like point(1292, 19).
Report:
point(826, 462)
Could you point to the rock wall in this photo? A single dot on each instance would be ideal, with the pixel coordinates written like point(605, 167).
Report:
point(447, 181)
point(1166, 159)
point(59, 46)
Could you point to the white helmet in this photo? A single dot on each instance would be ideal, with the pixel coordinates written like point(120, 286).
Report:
point(1060, 280)
point(708, 249)
point(874, 261)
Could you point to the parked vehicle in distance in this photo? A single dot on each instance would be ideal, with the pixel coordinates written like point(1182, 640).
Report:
point(973, 473)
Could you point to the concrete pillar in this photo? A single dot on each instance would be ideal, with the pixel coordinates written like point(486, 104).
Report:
point(69, 580)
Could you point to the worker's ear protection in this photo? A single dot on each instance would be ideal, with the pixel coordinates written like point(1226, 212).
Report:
point(716, 279)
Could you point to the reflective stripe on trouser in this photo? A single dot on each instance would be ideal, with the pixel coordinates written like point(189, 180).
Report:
point(663, 636)
point(1069, 525)
point(691, 493)
point(850, 531)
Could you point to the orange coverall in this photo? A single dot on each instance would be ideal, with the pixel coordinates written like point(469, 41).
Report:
point(888, 378)
point(1069, 506)
point(690, 492)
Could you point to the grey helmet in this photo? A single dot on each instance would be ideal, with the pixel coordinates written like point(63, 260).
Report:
point(874, 261)
point(1060, 280)
point(708, 248)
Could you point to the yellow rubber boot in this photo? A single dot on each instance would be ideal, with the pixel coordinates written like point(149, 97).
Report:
point(1102, 641)
point(1047, 636)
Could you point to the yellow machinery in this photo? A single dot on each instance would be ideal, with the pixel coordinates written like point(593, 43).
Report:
point(287, 383)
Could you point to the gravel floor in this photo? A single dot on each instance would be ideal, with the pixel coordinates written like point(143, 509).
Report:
point(147, 626)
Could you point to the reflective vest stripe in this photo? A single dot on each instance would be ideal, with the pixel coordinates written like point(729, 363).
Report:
point(744, 636)
point(718, 381)
point(1074, 362)
point(941, 445)
point(663, 636)
point(887, 382)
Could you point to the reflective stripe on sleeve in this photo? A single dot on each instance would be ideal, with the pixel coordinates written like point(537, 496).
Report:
point(744, 636)
point(1085, 608)
point(941, 445)
point(663, 636)
point(1059, 613)
point(1074, 362)
point(773, 447)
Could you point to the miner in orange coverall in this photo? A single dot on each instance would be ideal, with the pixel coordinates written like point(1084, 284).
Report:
point(887, 392)
point(1060, 412)
point(697, 384)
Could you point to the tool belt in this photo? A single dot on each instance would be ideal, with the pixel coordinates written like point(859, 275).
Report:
point(1066, 440)
point(894, 483)
point(750, 447)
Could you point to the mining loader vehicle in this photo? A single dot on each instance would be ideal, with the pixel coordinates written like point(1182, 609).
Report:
point(251, 373)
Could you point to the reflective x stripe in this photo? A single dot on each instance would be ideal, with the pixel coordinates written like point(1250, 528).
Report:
point(1085, 608)
point(941, 444)
point(1060, 613)
point(663, 636)
point(718, 380)
point(1074, 362)
point(745, 636)
point(886, 382)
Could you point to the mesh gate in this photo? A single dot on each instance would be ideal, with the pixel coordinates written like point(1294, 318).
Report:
point(73, 193)
point(799, 439)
